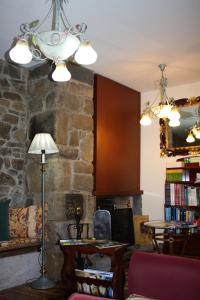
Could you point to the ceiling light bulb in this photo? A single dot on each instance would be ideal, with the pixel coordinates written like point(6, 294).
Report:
point(197, 135)
point(145, 119)
point(174, 123)
point(20, 53)
point(85, 54)
point(174, 113)
point(190, 138)
point(61, 73)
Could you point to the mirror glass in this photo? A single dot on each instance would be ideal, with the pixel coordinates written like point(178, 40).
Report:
point(173, 139)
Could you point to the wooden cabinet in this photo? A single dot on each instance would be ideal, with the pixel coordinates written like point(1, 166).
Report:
point(117, 139)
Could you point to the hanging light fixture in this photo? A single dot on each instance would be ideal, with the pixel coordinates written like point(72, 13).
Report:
point(58, 44)
point(194, 132)
point(166, 107)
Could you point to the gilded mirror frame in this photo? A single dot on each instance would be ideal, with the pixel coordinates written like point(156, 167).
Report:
point(165, 148)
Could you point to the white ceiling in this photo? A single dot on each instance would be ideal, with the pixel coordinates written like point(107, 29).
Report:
point(131, 37)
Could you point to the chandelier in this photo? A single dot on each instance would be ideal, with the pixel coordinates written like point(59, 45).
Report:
point(194, 132)
point(59, 44)
point(164, 108)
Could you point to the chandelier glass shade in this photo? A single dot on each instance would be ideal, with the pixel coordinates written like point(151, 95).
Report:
point(165, 108)
point(61, 43)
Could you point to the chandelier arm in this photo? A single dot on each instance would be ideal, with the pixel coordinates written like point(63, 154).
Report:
point(44, 19)
point(65, 17)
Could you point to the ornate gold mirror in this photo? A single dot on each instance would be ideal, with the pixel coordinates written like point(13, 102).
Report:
point(173, 139)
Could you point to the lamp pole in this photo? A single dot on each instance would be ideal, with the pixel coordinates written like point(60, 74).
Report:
point(43, 144)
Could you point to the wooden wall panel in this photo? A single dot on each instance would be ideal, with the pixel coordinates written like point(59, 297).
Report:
point(117, 139)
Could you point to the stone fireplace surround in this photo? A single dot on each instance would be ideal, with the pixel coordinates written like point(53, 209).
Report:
point(31, 103)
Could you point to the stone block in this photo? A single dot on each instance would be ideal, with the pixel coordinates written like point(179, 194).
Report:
point(71, 103)
point(82, 182)
point(12, 71)
point(4, 102)
point(13, 96)
point(4, 130)
point(68, 152)
point(83, 167)
point(61, 126)
point(5, 151)
point(17, 164)
point(88, 107)
point(87, 147)
point(11, 119)
point(6, 179)
point(51, 100)
point(19, 107)
point(73, 138)
point(36, 104)
point(7, 163)
point(4, 83)
point(19, 135)
point(81, 122)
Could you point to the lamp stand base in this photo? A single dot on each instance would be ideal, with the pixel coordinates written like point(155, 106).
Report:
point(42, 283)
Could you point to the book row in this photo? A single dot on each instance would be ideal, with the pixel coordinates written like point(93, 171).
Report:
point(179, 214)
point(181, 195)
point(177, 175)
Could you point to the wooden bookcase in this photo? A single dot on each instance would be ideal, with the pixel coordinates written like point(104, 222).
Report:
point(182, 193)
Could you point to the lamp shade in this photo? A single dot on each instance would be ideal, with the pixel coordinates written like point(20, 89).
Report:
point(43, 141)
point(85, 54)
point(21, 53)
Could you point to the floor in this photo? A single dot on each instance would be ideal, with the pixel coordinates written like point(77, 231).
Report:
point(25, 292)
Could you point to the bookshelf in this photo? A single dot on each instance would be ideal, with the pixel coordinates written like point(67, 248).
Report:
point(182, 191)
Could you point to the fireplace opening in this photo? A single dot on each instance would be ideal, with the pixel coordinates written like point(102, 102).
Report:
point(121, 220)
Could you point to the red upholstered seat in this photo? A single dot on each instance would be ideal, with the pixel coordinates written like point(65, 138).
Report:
point(164, 277)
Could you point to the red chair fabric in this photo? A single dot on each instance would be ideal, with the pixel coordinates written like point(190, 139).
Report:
point(164, 277)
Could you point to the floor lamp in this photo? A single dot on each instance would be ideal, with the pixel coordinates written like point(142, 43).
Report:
point(43, 144)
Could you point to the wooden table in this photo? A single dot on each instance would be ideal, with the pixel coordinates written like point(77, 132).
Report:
point(169, 236)
point(68, 271)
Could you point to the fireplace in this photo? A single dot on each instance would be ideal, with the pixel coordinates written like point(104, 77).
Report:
point(122, 210)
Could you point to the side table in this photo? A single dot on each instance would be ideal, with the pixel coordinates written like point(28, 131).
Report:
point(70, 278)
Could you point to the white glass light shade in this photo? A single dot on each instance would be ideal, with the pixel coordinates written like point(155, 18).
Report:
point(145, 119)
point(162, 110)
point(174, 123)
point(57, 45)
point(43, 141)
point(197, 134)
point(20, 53)
point(174, 113)
point(85, 54)
point(61, 73)
point(190, 138)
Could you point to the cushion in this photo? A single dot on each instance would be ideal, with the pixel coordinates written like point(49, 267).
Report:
point(18, 220)
point(4, 221)
point(35, 221)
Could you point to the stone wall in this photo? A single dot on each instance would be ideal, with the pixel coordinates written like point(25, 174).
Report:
point(30, 103)
point(13, 129)
point(65, 110)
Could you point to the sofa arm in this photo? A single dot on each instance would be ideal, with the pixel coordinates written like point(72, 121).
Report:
point(79, 296)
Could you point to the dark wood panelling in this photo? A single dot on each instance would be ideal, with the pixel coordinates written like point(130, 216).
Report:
point(117, 138)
